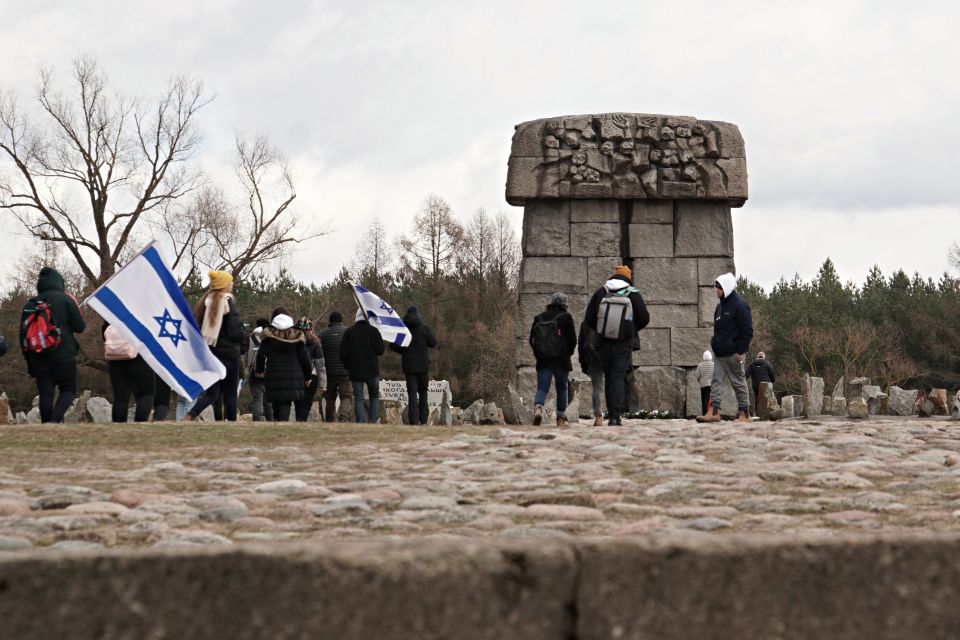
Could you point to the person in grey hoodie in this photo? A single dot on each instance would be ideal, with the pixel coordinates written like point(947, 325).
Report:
point(732, 332)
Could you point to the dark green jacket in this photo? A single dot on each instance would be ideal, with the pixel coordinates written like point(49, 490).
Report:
point(66, 315)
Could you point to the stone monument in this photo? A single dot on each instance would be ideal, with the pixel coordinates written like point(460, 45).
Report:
point(654, 192)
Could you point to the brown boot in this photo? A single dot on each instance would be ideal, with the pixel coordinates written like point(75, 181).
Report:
point(712, 414)
point(562, 422)
point(598, 421)
point(743, 416)
point(187, 417)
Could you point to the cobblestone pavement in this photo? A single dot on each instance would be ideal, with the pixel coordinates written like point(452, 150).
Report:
point(794, 477)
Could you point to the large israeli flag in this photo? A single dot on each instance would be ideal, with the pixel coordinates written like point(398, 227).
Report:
point(144, 303)
point(382, 316)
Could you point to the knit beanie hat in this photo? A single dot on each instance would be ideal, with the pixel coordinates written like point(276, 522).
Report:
point(336, 316)
point(220, 280)
point(623, 270)
point(559, 299)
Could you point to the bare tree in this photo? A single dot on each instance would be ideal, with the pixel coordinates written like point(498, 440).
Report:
point(953, 255)
point(374, 254)
point(433, 246)
point(99, 163)
point(478, 247)
point(505, 267)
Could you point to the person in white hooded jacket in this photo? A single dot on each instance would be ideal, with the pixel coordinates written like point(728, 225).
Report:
point(615, 352)
point(732, 332)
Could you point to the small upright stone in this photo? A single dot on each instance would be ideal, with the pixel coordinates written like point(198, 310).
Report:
point(955, 410)
point(838, 389)
point(827, 405)
point(766, 401)
point(901, 401)
point(812, 396)
point(787, 406)
point(939, 399)
point(839, 406)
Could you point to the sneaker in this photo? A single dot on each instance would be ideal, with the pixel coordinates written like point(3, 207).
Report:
point(537, 415)
point(598, 421)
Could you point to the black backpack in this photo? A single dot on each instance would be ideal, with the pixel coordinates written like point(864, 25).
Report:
point(547, 339)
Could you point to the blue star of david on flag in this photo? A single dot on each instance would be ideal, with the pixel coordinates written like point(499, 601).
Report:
point(177, 335)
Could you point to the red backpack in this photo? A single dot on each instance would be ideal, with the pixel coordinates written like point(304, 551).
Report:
point(40, 332)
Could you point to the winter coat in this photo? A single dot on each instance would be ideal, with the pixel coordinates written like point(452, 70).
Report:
point(415, 358)
point(588, 348)
point(732, 321)
point(705, 373)
point(760, 370)
point(231, 335)
point(250, 357)
point(283, 362)
point(567, 332)
point(641, 317)
point(330, 339)
point(66, 315)
point(360, 351)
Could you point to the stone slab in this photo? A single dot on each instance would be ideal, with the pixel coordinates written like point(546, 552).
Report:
point(651, 240)
point(652, 212)
point(812, 396)
point(666, 280)
point(546, 228)
point(599, 270)
point(594, 211)
point(672, 315)
point(546, 275)
point(703, 229)
point(688, 344)
point(706, 306)
point(662, 388)
point(901, 402)
point(654, 347)
point(594, 239)
point(709, 269)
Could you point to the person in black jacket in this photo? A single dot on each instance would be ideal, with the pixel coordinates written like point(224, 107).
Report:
point(588, 348)
point(318, 378)
point(553, 339)
point(54, 368)
point(415, 361)
point(360, 352)
point(284, 364)
point(760, 370)
point(615, 353)
point(222, 328)
point(732, 332)
point(338, 378)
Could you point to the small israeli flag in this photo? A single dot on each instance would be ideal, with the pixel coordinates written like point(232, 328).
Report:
point(144, 303)
point(382, 316)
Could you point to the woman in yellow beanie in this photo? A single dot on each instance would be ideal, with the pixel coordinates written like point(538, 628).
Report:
point(222, 328)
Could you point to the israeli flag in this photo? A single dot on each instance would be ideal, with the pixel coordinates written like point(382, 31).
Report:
point(382, 316)
point(144, 303)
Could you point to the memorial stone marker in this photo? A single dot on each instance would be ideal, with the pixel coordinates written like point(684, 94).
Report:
point(654, 192)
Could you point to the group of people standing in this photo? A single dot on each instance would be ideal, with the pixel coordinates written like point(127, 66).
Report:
point(284, 361)
point(608, 335)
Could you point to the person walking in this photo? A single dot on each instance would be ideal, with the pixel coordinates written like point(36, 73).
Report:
point(318, 377)
point(260, 409)
point(705, 379)
point(760, 370)
point(129, 375)
point(338, 378)
point(48, 325)
point(553, 340)
point(284, 365)
point(222, 328)
point(617, 312)
point(732, 332)
point(415, 362)
point(360, 352)
point(588, 350)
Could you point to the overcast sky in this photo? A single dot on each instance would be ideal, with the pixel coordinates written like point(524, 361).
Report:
point(849, 109)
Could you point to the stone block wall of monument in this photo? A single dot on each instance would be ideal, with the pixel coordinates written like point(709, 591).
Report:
point(651, 191)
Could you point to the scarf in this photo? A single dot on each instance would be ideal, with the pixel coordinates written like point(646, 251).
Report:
point(213, 318)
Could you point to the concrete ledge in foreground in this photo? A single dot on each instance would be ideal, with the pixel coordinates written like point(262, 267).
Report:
point(702, 587)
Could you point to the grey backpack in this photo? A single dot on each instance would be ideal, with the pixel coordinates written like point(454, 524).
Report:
point(615, 314)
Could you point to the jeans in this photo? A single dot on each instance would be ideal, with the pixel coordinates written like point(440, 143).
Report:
point(183, 406)
point(51, 376)
point(227, 387)
point(373, 389)
point(596, 381)
point(729, 367)
point(544, 377)
point(338, 385)
point(615, 358)
point(417, 410)
point(131, 377)
point(261, 410)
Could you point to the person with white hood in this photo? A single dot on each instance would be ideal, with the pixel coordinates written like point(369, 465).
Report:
point(283, 363)
point(732, 332)
point(705, 379)
point(617, 312)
